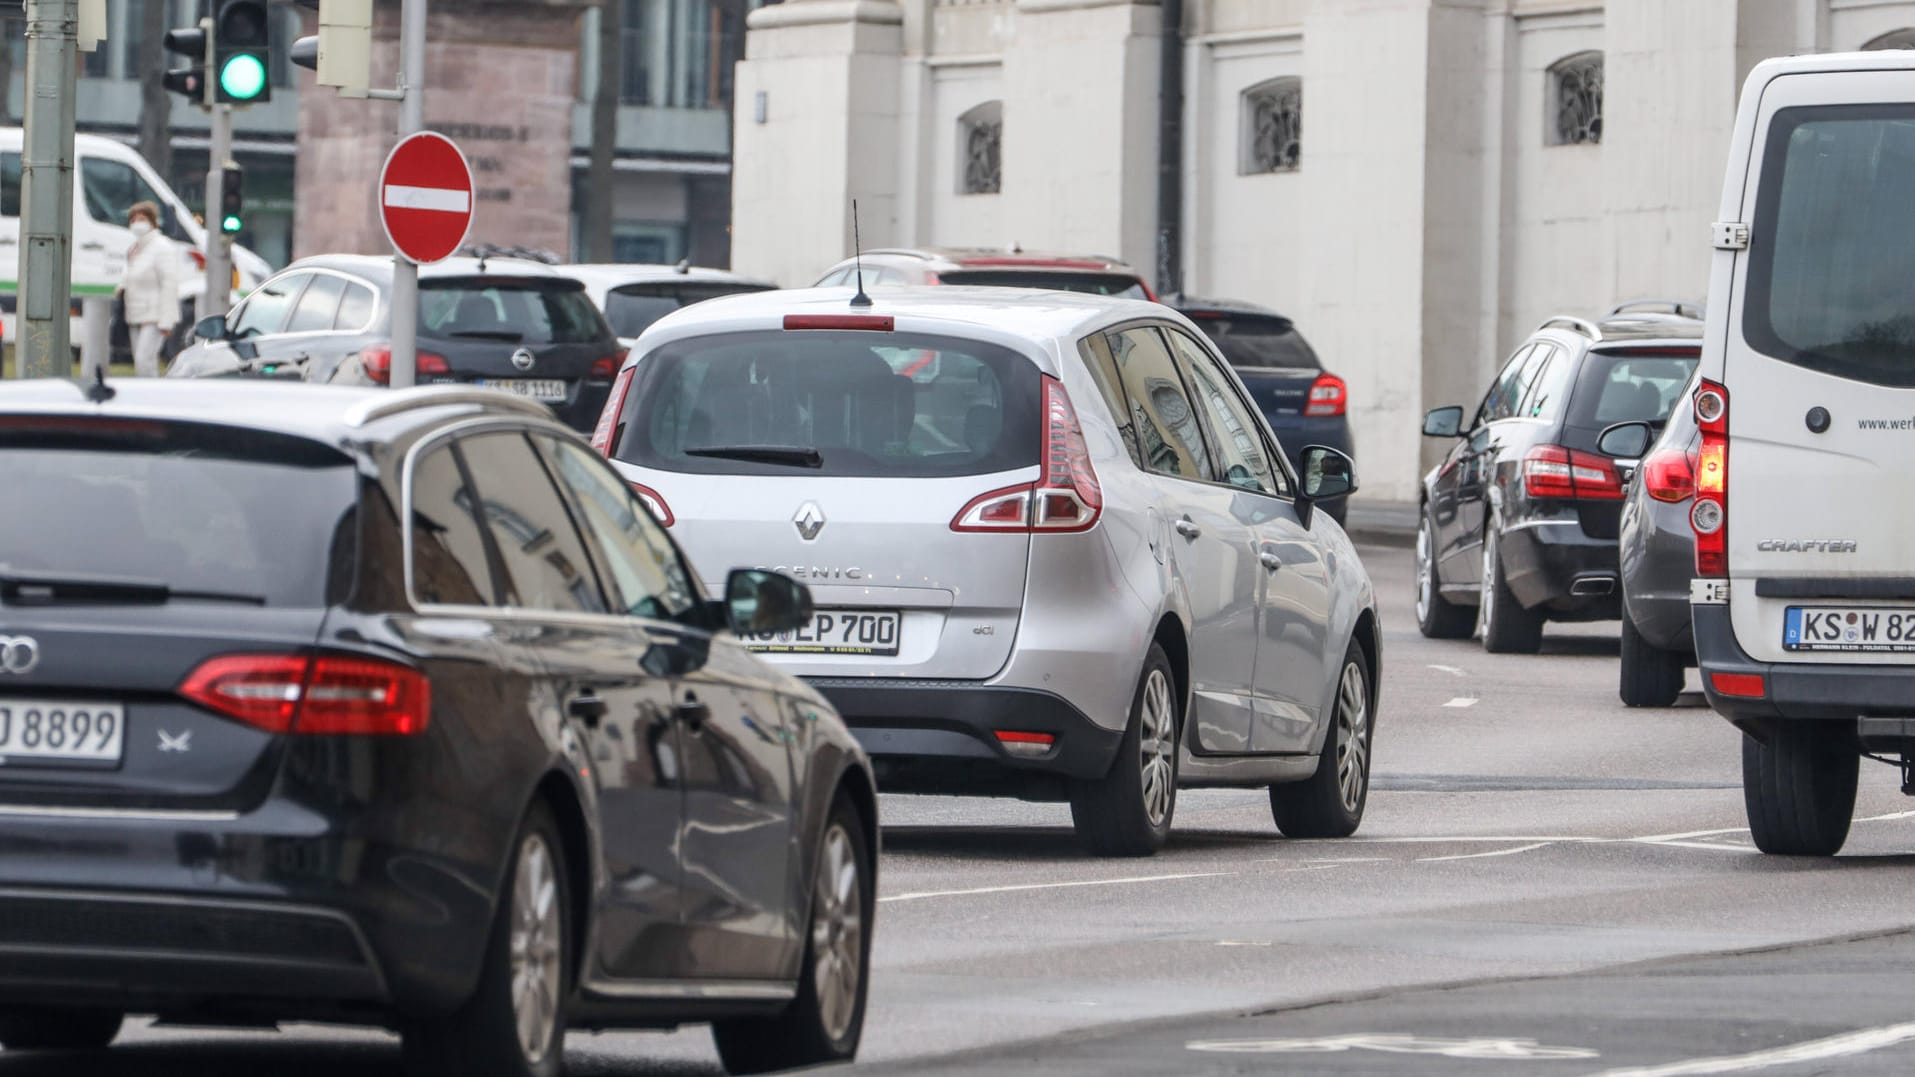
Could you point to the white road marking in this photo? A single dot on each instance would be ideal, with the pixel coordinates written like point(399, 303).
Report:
point(1691, 834)
point(442, 199)
point(1479, 856)
point(1849, 1043)
point(1482, 1049)
point(1461, 701)
point(1716, 847)
point(1886, 818)
point(1451, 670)
point(1458, 839)
point(1243, 942)
point(926, 894)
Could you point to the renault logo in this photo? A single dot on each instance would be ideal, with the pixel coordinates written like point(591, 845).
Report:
point(810, 521)
point(523, 359)
point(19, 654)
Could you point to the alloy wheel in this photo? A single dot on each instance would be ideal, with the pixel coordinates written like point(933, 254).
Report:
point(537, 942)
point(837, 933)
point(1489, 579)
point(1425, 572)
point(1157, 742)
point(1353, 736)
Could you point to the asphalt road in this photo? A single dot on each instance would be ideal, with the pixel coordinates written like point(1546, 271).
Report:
point(1545, 881)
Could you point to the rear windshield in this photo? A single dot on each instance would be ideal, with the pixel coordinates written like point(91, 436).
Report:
point(518, 312)
point(194, 507)
point(1117, 284)
point(1257, 340)
point(1832, 256)
point(634, 307)
point(870, 404)
point(1630, 387)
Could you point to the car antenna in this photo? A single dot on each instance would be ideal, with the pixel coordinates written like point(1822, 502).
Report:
point(683, 267)
point(100, 392)
point(857, 254)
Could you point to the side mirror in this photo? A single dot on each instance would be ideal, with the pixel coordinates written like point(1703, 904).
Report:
point(1327, 473)
point(1626, 441)
point(758, 603)
point(1443, 423)
point(211, 327)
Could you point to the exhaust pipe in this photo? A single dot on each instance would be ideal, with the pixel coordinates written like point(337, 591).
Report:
point(1593, 585)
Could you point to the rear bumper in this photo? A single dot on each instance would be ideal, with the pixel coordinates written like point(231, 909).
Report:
point(1796, 690)
point(1553, 564)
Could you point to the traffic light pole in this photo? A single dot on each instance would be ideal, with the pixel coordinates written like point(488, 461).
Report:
point(219, 245)
point(412, 120)
point(45, 282)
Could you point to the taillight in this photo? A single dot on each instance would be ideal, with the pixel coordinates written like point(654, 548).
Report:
point(654, 504)
point(1328, 396)
point(324, 695)
point(1669, 475)
point(376, 361)
point(608, 415)
point(1551, 471)
point(1067, 497)
point(606, 366)
point(1709, 517)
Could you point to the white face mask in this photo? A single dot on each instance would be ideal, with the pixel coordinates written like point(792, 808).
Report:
point(141, 227)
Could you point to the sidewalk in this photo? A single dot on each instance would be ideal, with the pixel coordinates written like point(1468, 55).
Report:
point(1386, 523)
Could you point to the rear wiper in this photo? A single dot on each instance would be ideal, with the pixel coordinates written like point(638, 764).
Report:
point(788, 455)
point(48, 589)
point(506, 335)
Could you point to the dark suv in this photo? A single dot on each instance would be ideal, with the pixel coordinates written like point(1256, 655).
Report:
point(1520, 520)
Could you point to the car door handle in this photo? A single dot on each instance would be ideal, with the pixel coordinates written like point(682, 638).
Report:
point(587, 708)
point(1188, 529)
point(692, 712)
point(1270, 561)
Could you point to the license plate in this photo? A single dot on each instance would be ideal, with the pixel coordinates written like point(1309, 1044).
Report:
point(536, 388)
point(1843, 628)
point(43, 733)
point(848, 632)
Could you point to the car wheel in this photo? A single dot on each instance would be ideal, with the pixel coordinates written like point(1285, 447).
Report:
point(1799, 788)
point(1436, 616)
point(825, 1021)
point(1127, 812)
point(1329, 804)
point(1508, 628)
point(1651, 676)
point(57, 1028)
point(514, 1023)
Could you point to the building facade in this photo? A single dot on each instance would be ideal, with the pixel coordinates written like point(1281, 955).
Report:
point(1417, 182)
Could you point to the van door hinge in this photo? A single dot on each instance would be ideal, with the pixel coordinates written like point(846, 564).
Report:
point(1730, 235)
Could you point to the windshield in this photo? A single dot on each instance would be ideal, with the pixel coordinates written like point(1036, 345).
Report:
point(1122, 285)
point(523, 312)
point(633, 308)
point(867, 404)
point(1257, 340)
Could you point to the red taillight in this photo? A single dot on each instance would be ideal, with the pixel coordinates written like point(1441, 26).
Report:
point(1026, 744)
point(1739, 685)
point(1328, 396)
point(1669, 475)
point(1551, 471)
point(608, 415)
point(656, 504)
point(606, 367)
point(877, 323)
point(1709, 517)
point(1066, 498)
point(326, 695)
point(376, 361)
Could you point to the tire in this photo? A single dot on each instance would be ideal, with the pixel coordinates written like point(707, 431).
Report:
point(822, 1025)
point(1330, 803)
point(1436, 617)
point(1799, 789)
point(1651, 676)
point(1508, 628)
point(57, 1028)
point(514, 1023)
point(1128, 811)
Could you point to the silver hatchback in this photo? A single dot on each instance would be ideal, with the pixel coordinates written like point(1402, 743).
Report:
point(1055, 550)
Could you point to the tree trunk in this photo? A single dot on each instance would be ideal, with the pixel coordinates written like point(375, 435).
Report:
point(601, 188)
point(156, 105)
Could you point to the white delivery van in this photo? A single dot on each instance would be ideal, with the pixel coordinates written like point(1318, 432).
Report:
point(1804, 596)
point(109, 177)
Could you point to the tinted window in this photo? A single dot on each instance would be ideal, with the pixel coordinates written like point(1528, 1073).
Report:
point(1833, 248)
point(1546, 392)
point(1624, 388)
point(265, 310)
point(647, 577)
point(199, 508)
point(355, 308)
point(873, 404)
point(448, 549)
point(1240, 447)
point(110, 188)
point(633, 308)
point(1168, 433)
point(542, 554)
point(1117, 284)
point(1510, 385)
point(520, 312)
point(317, 305)
point(9, 185)
point(1257, 340)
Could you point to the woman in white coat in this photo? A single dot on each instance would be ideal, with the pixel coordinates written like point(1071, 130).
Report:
point(150, 288)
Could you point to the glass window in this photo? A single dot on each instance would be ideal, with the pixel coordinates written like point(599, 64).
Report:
point(266, 309)
point(1103, 367)
point(518, 312)
point(110, 188)
point(9, 185)
point(1831, 267)
point(355, 308)
point(647, 577)
point(449, 566)
point(1508, 391)
point(1624, 388)
point(1256, 340)
point(680, 53)
point(1549, 386)
point(1167, 427)
point(544, 559)
point(634, 307)
point(1240, 446)
point(318, 305)
point(1121, 285)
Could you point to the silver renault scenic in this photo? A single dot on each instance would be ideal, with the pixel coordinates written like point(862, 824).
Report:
point(1055, 551)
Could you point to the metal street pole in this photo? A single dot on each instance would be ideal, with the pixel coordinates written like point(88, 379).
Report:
point(412, 120)
point(44, 349)
point(219, 246)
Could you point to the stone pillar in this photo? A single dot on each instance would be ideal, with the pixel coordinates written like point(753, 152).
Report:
point(826, 75)
point(501, 81)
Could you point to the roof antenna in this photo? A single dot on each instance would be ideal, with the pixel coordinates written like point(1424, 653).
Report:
point(857, 253)
point(100, 392)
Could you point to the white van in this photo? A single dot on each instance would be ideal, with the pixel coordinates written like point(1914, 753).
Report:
point(1804, 601)
point(109, 177)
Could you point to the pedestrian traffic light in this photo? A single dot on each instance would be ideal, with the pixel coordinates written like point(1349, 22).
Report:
point(232, 199)
point(190, 82)
point(242, 42)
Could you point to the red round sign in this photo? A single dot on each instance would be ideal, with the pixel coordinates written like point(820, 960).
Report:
point(425, 197)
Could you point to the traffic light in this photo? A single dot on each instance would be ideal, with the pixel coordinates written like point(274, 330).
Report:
point(242, 41)
point(190, 82)
point(232, 199)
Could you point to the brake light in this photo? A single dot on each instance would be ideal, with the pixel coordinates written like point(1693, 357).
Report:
point(324, 695)
point(1551, 471)
point(1328, 396)
point(606, 366)
point(655, 504)
point(376, 361)
point(607, 427)
point(1067, 497)
point(1669, 475)
point(1709, 517)
point(877, 323)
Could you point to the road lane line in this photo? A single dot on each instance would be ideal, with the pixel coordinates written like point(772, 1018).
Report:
point(1496, 839)
point(1711, 846)
point(1479, 856)
point(1461, 701)
point(1886, 818)
point(926, 894)
point(1849, 1043)
point(1691, 834)
point(1452, 670)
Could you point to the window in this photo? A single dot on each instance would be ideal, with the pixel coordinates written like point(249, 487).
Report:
point(1271, 136)
point(1240, 446)
point(1262, 341)
point(1168, 433)
point(449, 564)
point(1575, 100)
point(633, 308)
point(112, 187)
point(1623, 388)
point(1508, 390)
point(1548, 388)
point(1103, 367)
point(518, 312)
point(318, 305)
point(543, 557)
point(680, 53)
point(647, 577)
point(355, 308)
point(1894, 39)
point(265, 310)
point(981, 149)
point(9, 185)
point(1122, 285)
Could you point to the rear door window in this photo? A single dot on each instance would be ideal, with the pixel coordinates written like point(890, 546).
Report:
point(355, 309)
point(634, 307)
point(449, 563)
point(544, 559)
point(1551, 384)
point(1169, 433)
point(1241, 454)
point(646, 576)
point(318, 305)
point(1257, 340)
point(515, 311)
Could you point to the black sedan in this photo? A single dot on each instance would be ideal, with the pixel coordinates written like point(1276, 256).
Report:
point(398, 709)
point(1658, 561)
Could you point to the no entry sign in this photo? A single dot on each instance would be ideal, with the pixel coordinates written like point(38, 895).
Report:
point(425, 197)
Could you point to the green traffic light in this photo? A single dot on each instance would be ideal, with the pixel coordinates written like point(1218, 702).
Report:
point(231, 224)
point(243, 78)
